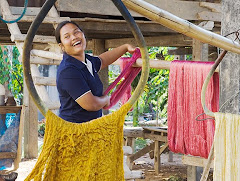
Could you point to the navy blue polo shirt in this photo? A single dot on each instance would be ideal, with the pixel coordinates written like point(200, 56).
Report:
point(73, 81)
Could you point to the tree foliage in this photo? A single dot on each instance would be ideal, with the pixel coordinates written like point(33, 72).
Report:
point(11, 71)
point(155, 96)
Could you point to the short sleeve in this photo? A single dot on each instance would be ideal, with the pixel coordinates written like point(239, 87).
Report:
point(96, 61)
point(98, 64)
point(73, 82)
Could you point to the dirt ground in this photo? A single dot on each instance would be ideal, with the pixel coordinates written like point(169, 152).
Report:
point(170, 171)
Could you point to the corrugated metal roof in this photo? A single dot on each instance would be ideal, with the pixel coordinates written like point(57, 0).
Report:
point(31, 3)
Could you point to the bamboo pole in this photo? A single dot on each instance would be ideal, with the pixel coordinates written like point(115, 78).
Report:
point(180, 25)
point(153, 63)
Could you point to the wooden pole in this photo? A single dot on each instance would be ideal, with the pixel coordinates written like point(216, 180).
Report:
point(98, 48)
point(153, 63)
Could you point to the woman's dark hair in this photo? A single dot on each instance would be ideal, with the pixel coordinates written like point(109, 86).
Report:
point(59, 27)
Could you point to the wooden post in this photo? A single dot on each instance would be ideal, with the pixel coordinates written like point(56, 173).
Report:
point(191, 173)
point(30, 126)
point(157, 158)
point(199, 51)
point(230, 66)
point(98, 48)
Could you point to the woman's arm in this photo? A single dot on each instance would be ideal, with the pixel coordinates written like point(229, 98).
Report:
point(90, 102)
point(111, 56)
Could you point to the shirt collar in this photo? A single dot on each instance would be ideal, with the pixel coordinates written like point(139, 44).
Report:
point(73, 60)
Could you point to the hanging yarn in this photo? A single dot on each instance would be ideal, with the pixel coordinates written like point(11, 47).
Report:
point(185, 134)
point(124, 61)
point(82, 152)
point(227, 147)
point(129, 73)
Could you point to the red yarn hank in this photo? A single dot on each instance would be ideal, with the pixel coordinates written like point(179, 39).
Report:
point(185, 134)
point(123, 90)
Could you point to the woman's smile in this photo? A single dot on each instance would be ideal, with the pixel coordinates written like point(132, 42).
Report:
point(73, 41)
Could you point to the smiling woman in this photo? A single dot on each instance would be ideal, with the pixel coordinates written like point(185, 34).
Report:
point(80, 89)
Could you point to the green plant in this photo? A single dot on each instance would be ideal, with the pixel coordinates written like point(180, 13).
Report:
point(41, 129)
point(11, 72)
point(154, 99)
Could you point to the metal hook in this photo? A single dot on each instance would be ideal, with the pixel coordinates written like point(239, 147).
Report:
point(202, 119)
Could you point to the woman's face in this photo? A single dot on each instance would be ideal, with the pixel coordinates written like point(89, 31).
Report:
point(73, 41)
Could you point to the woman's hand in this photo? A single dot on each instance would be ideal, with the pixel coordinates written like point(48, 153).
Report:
point(130, 48)
point(111, 56)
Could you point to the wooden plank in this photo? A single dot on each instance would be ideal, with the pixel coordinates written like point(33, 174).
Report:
point(141, 152)
point(106, 7)
point(214, 7)
point(46, 54)
point(44, 61)
point(30, 19)
point(9, 109)
point(46, 81)
point(180, 51)
point(165, 40)
point(31, 11)
point(210, 16)
point(195, 161)
point(37, 38)
point(155, 137)
point(4, 155)
point(119, 26)
point(133, 132)
point(157, 129)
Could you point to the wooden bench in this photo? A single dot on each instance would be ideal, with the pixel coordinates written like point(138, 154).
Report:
point(160, 143)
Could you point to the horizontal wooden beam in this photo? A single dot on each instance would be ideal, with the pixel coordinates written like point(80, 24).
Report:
point(4, 155)
point(37, 38)
point(179, 8)
point(195, 161)
point(31, 11)
point(113, 26)
point(211, 16)
point(214, 7)
point(155, 137)
point(46, 81)
point(133, 132)
point(43, 61)
point(30, 19)
point(180, 51)
point(176, 40)
point(46, 54)
point(10, 109)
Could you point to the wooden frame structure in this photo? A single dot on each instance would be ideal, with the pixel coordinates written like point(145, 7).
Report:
point(103, 32)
